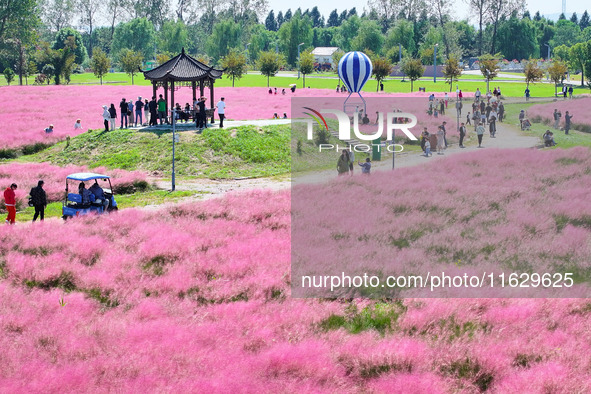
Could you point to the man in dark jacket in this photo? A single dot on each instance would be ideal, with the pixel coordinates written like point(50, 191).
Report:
point(202, 115)
point(39, 200)
point(153, 105)
point(124, 108)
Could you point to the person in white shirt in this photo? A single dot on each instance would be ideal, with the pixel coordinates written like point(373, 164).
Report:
point(221, 111)
point(77, 125)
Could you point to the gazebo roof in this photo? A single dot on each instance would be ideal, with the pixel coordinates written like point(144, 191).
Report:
point(182, 68)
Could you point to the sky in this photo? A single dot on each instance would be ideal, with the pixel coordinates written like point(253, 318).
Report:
point(544, 6)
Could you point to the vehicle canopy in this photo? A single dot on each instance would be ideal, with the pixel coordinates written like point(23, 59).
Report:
point(86, 176)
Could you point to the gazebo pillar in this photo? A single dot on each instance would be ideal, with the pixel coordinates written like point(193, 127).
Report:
point(201, 88)
point(166, 98)
point(194, 87)
point(154, 89)
point(171, 98)
point(211, 98)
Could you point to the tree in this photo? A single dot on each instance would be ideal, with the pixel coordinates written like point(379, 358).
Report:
point(8, 75)
point(452, 70)
point(137, 35)
point(585, 21)
point(566, 33)
point(499, 11)
point(489, 67)
point(369, 36)
point(172, 37)
point(88, 10)
point(533, 72)
point(234, 64)
point(316, 17)
point(155, 11)
point(580, 55)
point(49, 71)
point(382, 67)
point(557, 70)
point(413, 69)
point(62, 38)
point(336, 58)
point(61, 60)
point(347, 32)
point(280, 19)
point(269, 63)
point(226, 35)
point(57, 14)
point(401, 33)
point(306, 64)
point(333, 19)
point(574, 18)
point(562, 52)
point(298, 30)
point(526, 46)
point(270, 22)
point(130, 61)
point(100, 63)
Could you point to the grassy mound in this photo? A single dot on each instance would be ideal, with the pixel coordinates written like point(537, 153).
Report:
point(244, 151)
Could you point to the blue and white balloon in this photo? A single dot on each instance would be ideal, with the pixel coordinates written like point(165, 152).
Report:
point(355, 69)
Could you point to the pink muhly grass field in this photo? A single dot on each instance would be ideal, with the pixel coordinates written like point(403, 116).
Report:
point(196, 297)
point(27, 110)
point(26, 176)
point(578, 108)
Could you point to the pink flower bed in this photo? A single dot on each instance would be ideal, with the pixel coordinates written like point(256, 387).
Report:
point(196, 297)
point(27, 110)
point(579, 108)
point(26, 176)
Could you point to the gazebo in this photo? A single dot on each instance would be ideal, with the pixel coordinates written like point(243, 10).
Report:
point(183, 70)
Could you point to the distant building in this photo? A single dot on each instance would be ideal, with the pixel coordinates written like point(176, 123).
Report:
point(323, 56)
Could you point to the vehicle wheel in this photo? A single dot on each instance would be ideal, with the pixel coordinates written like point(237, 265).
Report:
point(65, 217)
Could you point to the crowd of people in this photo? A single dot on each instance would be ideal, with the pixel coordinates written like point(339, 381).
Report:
point(150, 113)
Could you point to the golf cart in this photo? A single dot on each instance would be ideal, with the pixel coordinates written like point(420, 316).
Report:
point(75, 206)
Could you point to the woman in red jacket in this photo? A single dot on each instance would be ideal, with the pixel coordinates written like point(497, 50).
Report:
point(10, 202)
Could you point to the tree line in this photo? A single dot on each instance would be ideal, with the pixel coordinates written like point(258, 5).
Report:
point(58, 37)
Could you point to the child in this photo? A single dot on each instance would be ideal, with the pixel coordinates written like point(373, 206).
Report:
point(468, 119)
point(427, 148)
point(77, 125)
point(365, 167)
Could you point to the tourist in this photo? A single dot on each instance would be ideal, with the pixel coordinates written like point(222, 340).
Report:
point(567, 122)
point(275, 116)
point(564, 91)
point(270, 91)
point(147, 111)
point(365, 119)
point(351, 153)
point(548, 139)
point(153, 106)
point(49, 129)
point(275, 90)
point(343, 163)
point(462, 134)
point(460, 95)
point(10, 203)
point(427, 148)
point(459, 106)
point(480, 133)
point(381, 89)
point(527, 93)
point(483, 118)
point(202, 114)
point(283, 92)
point(221, 111)
point(501, 111)
point(338, 87)
point(488, 96)
point(442, 107)
point(477, 94)
point(113, 118)
point(440, 140)
point(444, 133)
point(139, 109)
point(570, 91)
point(492, 127)
point(424, 138)
point(521, 118)
point(85, 194)
point(187, 112)
point(130, 107)
point(78, 124)
point(162, 110)
point(468, 119)
point(106, 117)
point(123, 107)
point(557, 115)
point(99, 195)
point(285, 115)
point(39, 200)
point(446, 99)
point(293, 88)
point(365, 167)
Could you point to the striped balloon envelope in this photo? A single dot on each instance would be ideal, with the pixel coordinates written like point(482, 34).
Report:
point(354, 70)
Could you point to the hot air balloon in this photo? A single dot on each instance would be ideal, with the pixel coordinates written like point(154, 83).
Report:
point(354, 70)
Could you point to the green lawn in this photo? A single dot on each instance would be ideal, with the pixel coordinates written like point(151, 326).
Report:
point(329, 81)
point(218, 154)
point(574, 138)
